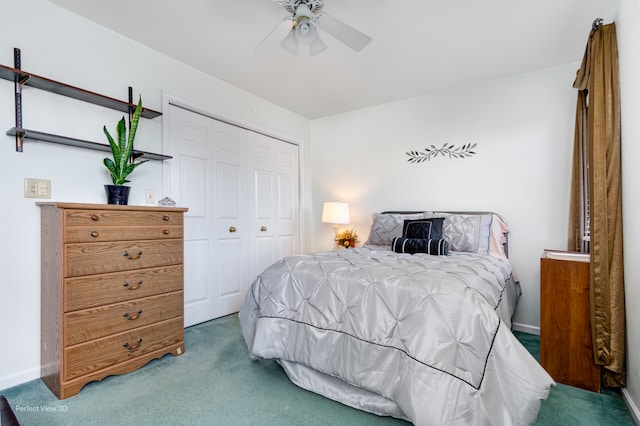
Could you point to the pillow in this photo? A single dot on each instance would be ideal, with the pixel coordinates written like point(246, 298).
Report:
point(498, 239)
point(437, 247)
point(466, 232)
point(386, 227)
point(423, 228)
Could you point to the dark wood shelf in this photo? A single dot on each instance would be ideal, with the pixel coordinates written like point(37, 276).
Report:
point(79, 143)
point(63, 89)
point(22, 78)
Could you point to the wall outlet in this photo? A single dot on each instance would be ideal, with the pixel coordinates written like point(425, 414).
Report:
point(37, 188)
point(149, 196)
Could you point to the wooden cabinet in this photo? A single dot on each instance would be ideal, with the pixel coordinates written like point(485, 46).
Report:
point(112, 290)
point(565, 331)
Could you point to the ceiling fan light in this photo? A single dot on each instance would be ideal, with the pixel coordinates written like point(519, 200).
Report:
point(290, 43)
point(317, 46)
point(305, 32)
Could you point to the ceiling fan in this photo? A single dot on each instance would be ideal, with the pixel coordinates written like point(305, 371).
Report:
point(303, 25)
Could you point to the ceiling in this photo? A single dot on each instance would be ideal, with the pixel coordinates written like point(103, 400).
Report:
point(418, 47)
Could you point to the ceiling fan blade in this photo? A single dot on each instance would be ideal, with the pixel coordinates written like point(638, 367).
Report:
point(343, 32)
point(276, 35)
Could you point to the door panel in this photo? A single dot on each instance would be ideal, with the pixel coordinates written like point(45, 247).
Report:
point(190, 141)
point(231, 216)
point(196, 292)
point(276, 200)
point(229, 270)
point(193, 178)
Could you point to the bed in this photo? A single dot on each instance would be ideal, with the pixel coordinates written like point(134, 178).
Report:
point(416, 324)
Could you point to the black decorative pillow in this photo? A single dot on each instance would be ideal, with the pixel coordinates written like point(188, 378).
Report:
point(423, 228)
point(437, 247)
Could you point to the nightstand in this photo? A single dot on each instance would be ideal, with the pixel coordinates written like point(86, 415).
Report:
point(565, 326)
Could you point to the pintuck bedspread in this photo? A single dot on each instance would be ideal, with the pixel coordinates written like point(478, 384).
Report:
point(417, 337)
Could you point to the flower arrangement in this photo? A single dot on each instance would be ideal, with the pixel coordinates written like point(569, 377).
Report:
point(347, 238)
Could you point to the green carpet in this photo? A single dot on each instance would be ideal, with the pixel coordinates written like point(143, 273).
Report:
point(567, 405)
point(215, 383)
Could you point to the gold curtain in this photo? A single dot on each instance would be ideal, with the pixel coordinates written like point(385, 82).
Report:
point(598, 81)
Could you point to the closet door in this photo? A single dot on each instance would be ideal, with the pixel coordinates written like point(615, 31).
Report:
point(276, 205)
point(241, 189)
point(209, 174)
point(231, 200)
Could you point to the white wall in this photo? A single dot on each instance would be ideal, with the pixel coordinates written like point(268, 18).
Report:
point(628, 32)
point(524, 130)
point(59, 45)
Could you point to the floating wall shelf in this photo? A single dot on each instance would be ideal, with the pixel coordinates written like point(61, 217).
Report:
point(43, 83)
point(23, 78)
point(79, 143)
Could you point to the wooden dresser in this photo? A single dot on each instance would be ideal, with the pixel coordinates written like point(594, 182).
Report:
point(112, 290)
point(565, 329)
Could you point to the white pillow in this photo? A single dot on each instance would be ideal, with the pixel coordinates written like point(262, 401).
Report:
point(497, 240)
point(386, 227)
point(466, 232)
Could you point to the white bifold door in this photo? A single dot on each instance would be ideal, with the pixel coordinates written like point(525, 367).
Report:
point(242, 191)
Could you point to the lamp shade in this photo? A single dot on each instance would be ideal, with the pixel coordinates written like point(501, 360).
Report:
point(290, 44)
point(317, 46)
point(335, 212)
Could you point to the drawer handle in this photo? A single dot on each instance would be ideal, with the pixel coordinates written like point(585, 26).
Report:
point(165, 218)
point(263, 229)
point(232, 229)
point(133, 287)
point(133, 256)
point(165, 232)
point(94, 234)
point(134, 316)
point(95, 217)
point(133, 347)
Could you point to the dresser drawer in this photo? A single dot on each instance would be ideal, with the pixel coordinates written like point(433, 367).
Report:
point(120, 218)
point(98, 258)
point(97, 233)
point(102, 353)
point(89, 324)
point(96, 290)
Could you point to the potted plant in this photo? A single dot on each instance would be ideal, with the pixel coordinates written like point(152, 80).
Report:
point(122, 163)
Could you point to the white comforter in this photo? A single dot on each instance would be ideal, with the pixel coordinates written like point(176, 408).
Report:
point(412, 336)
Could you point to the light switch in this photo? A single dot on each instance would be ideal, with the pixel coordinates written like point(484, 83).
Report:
point(149, 196)
point(37, 188)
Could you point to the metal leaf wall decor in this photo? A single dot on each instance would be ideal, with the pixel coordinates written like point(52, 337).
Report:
point(446, 150)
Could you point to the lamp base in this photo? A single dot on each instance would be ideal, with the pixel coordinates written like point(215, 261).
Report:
point(335, 227)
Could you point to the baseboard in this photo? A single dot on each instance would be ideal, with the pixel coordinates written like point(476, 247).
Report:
point(526, 328)
point(633, 407)
point(18, 379)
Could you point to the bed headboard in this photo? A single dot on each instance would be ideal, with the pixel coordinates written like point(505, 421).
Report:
point(505, 245)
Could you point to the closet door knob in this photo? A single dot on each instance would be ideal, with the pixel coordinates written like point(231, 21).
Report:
point(232, 229)
point(263, 229)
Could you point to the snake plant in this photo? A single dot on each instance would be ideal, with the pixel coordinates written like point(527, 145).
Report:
point(123, 163)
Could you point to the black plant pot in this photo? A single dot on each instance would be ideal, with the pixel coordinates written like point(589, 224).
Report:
point(117, 194)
